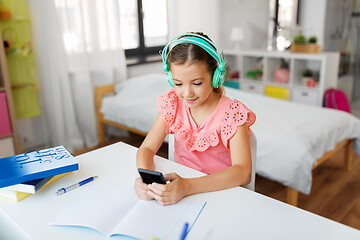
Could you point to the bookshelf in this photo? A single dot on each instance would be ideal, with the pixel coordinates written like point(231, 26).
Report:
point(257, 73)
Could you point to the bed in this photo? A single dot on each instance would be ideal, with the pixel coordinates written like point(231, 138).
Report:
point(292, 139)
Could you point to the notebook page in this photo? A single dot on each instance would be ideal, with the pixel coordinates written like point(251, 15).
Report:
point(114, 210)
point(149, 219)
point(101, 209)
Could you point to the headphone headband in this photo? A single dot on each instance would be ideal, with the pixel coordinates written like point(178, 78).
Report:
point(196, 39)
point(204, 43)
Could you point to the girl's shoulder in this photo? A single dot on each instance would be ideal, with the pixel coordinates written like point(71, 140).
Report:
point(232, 105)
point(167, 101)
point(168, 95)
point(233, 114)
point(167, 105)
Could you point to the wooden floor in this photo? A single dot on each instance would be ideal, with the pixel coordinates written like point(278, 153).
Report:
point(335, 192)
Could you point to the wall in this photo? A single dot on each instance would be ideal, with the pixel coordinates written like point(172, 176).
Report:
point(194, 15)
point(216, 18)
point(312, 18)
point(334, 25)
point(252, 16)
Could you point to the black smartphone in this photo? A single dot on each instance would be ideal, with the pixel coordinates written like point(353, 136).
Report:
point(149, 176)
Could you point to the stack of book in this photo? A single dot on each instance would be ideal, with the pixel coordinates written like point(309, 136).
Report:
point(24, 174)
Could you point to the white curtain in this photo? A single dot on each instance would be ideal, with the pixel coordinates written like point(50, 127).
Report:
point(77, 44)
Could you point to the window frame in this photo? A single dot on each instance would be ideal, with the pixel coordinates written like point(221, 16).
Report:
point(142, 53)
point(276, 15)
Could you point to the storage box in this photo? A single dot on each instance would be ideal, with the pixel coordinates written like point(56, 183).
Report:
point(5, 127)
point(252, 86)
point(305, 96)
point(277, 92)
point(232, 83)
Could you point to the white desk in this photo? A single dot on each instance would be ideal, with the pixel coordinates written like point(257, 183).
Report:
point(235, 213)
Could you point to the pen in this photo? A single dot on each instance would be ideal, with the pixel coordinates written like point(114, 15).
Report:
point(76, 185)
point(184, 231)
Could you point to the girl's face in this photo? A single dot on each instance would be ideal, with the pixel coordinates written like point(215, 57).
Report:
point(193, 84)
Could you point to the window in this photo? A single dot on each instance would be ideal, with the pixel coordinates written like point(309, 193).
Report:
point(89, 26)
point(143, 25)
point(284, 16)
point(138, 26)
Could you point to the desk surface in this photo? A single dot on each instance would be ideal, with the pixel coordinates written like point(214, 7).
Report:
point(236, 213)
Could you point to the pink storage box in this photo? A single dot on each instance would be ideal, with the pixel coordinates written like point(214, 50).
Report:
point(5, 127)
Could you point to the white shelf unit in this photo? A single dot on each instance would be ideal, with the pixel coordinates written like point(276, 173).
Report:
point(325, 64)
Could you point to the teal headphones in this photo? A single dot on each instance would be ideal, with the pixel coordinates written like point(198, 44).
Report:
point(204, 43)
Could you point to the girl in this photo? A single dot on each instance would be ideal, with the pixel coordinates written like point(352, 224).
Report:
point(211, 130)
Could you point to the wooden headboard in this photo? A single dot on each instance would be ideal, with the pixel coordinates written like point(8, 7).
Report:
point(100, 92)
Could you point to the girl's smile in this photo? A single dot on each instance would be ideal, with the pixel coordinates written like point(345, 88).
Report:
point(190, 100)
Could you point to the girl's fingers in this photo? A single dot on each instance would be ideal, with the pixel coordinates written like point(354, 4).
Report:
point(163, 200)
point(167, 194)
point(171, 176)
point(159, 189)
point(141, 190)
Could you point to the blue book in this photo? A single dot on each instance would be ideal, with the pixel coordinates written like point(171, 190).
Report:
point(35, 165)
point(28, 187)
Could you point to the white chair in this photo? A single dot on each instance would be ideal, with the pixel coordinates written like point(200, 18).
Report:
point(253, 146)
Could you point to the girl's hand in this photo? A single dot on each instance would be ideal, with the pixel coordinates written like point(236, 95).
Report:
point(171, 193)
point(142, 189)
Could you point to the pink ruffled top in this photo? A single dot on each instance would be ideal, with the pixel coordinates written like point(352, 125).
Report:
point(204, 147)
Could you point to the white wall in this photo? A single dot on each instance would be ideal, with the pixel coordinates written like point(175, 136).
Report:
point(337, 22)
point(334, 23)
point(216, 18)
point(252, 16)
point(194, 15)
point(312, 18)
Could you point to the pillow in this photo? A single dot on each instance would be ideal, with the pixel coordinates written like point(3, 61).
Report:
point(142, 82)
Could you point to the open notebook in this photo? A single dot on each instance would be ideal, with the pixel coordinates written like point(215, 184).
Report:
point(114, 210)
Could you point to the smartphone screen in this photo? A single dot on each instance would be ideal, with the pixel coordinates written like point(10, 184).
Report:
point(149, 176)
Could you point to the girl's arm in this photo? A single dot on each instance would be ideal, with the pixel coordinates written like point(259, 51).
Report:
point(145, 155)
point(238, 174)
point(151, 144)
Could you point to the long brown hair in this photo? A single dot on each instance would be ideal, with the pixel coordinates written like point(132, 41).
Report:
point(188, 52)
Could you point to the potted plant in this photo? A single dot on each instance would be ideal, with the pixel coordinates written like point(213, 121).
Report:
point(301, 44)
point(254, 74)
point(299, 39)
point(308, 78)
point(312, 40)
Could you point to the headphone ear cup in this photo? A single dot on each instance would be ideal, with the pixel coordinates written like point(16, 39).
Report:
point(169, 78)
point(166, 67)
point(216, 78)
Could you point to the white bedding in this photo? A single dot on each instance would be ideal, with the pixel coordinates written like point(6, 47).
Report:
point(290, 136)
